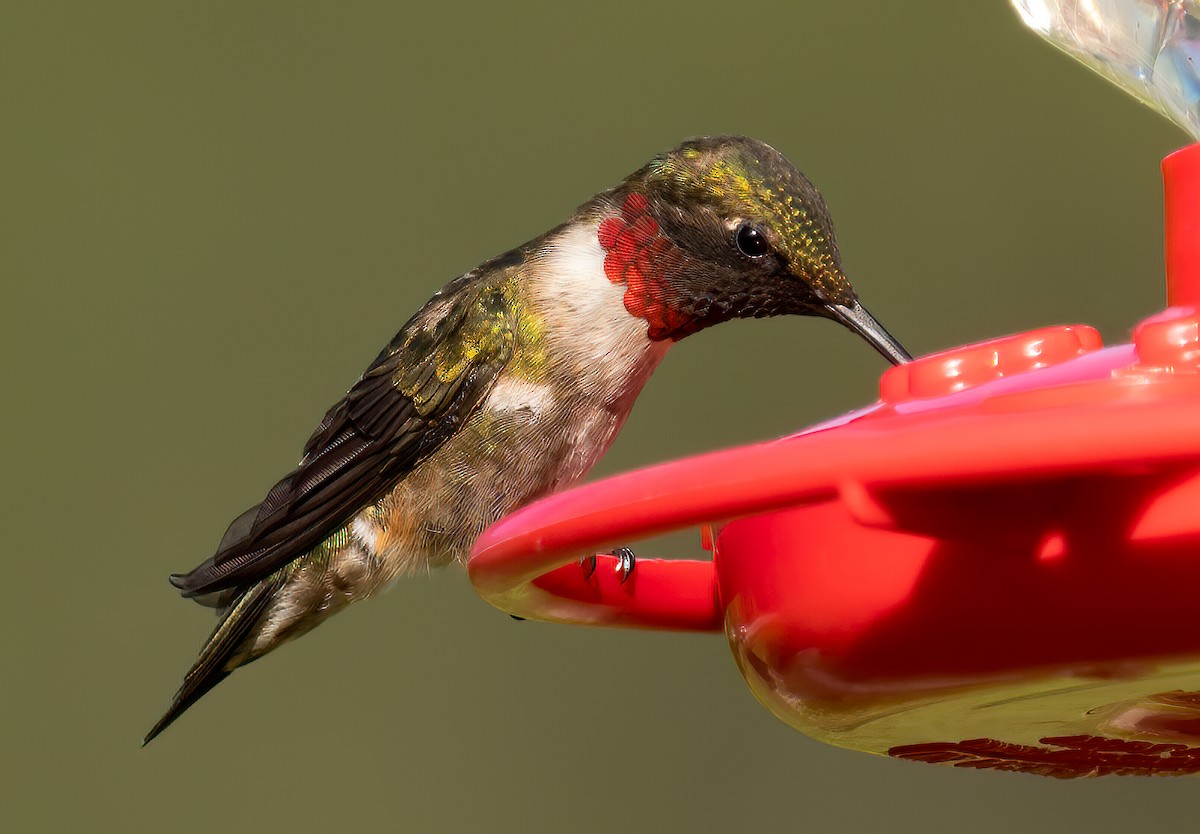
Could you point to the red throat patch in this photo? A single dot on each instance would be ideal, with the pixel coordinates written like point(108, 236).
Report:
point(639, 256)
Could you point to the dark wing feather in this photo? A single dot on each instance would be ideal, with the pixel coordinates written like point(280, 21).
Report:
point(211, 667)
point(428, 381)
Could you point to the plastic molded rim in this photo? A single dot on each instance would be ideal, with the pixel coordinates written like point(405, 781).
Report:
point(1033, 405)
point(525, 563)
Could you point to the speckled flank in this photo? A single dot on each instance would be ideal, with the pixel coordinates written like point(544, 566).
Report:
point(569, 384)
point(509, 384)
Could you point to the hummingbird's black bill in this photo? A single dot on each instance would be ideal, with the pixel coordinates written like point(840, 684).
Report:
point(864, 324)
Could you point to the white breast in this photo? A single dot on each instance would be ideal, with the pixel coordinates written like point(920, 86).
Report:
point(585, 317)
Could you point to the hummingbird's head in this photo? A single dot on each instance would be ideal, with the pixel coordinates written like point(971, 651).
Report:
point(725, 227)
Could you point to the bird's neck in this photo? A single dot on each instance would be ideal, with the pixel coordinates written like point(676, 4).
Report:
point(585, 315)
point(639, 257)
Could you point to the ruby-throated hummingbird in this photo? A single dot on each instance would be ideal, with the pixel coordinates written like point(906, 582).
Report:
point(512, 381)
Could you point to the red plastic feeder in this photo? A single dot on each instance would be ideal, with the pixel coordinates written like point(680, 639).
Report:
point(997, 565)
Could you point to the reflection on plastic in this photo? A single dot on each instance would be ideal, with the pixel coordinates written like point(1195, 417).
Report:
point(1148, 48)
point(995, 566)
point(1063, 757)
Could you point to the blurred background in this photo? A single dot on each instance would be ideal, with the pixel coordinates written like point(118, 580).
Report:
point(214, 215)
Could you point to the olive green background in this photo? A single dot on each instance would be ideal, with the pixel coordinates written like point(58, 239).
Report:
point(213, 216)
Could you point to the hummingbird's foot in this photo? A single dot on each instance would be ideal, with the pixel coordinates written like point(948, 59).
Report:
point(588, 565)
point(626, 562)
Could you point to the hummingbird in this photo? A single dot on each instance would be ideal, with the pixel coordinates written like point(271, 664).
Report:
point(511, 382)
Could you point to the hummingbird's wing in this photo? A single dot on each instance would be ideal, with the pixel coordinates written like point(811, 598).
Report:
point(425, 384)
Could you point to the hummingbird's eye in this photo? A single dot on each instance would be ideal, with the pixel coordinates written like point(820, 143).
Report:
point(751, 241)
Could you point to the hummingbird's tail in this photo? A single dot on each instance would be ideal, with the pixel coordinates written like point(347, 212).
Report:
point(213, 665)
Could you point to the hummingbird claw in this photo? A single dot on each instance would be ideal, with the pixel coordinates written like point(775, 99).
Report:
point(588, 565)
point(626, 562)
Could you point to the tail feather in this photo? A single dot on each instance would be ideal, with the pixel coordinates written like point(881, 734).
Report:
point(212, 666)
